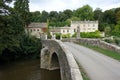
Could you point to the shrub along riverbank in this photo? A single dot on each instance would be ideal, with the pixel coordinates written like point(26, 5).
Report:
point(27, 47)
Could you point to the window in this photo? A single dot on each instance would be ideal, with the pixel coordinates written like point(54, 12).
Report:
point(37, 29)
point(63, 31)
point(67, 30)
point(74, 30)
point(93, 25)
point(34, 29)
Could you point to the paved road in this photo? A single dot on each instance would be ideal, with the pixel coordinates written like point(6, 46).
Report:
point(96, 65)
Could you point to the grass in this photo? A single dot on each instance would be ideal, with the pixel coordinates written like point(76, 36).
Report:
point(106, 52)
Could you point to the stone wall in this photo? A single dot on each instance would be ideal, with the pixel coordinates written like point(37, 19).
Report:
point(68, 67)
point(95, 42)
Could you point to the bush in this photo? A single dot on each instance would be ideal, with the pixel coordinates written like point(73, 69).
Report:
point(28, 47)
point(90, 34)
point(57, 35)
point(108, 40)
point(66, 35)
point(117, 41)
point(74, 35)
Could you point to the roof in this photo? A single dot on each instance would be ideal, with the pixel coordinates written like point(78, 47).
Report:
point(65, 27)
point(37, 25)
point(76, 22)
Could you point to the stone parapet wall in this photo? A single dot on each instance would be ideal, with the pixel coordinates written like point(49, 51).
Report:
point(96, 42)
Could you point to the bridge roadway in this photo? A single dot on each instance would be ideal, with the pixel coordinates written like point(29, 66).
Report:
point(97, 66)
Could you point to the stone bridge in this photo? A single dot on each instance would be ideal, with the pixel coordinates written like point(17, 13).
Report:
point(55, 55)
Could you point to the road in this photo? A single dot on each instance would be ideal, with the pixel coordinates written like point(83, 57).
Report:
point(97, 66)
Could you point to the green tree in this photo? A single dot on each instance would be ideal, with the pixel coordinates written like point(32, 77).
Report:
point(117, 9)
point(22, 8)
point(68, 14)
point(35, 16)
point(85, 13)
point(61, 17)
point(44, 16)
point(116, 31)
point(109, 16)
point(107, 31)
point(118, 17)
point(29, 47)
point(53, 18)
point(98, 14)
point(13, 40)
point(8, 30)
point(53, 15)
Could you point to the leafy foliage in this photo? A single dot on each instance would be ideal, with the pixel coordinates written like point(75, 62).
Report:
point(14, 43)
point(118, 17)
point(85, 13)
point(59, 19)
point(108, 31)
point(116, 31)
point(90, 34)
point(66, 35)
point(57, 35)
point(74, 35)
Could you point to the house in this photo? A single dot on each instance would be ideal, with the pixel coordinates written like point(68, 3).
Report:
point(76, 26)
point(84, 26)
point(36, 29)
point(61, 30)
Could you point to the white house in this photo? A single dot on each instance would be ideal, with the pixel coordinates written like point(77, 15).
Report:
point(62, 30)
point(37, 29)
point(83, 26)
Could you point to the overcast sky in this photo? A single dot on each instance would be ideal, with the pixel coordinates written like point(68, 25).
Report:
point(60, 5)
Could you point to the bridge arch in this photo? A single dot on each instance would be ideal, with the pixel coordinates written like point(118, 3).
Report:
point(54, 63)
point(55, 55)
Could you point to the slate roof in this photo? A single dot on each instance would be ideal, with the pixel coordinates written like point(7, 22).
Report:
point(37, 25)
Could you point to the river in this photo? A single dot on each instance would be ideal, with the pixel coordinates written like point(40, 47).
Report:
point(27, 70)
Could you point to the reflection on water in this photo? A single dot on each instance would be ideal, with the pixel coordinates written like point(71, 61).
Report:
point(28, 70)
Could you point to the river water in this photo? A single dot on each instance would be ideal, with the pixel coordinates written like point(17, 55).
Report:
point(27, 70)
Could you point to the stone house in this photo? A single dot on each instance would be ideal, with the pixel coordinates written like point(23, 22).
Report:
point(36, 29)
point(62, 30)
point(39, 29)
point(82, 26)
